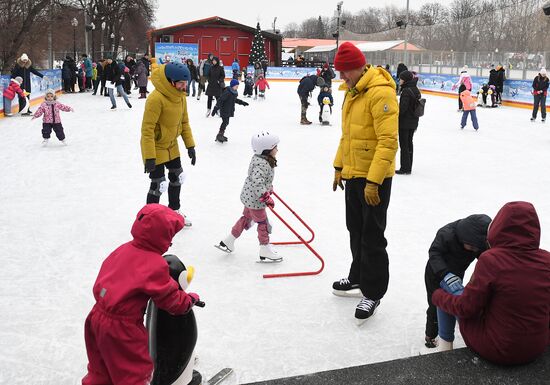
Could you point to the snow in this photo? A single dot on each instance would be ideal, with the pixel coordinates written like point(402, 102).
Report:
point(64, 209)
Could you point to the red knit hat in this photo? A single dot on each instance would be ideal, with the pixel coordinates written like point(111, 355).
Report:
point(349, 57)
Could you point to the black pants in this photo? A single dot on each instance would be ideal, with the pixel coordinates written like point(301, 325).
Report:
point(174, 187)
point(406, 146)
point(88, 83)
point(143, 90)
point(432, 285)
point(67, 85)
point(305, 104)
point(102, 89)
point(539, 99)
point(366, 225)
point(209, 101)
point(95, 84)
point(225, 123)
point(460, 89)
point(56, 127)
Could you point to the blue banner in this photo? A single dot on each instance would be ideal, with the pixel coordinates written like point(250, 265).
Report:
point(176, 52)
point(514, 90)
point(39, 86)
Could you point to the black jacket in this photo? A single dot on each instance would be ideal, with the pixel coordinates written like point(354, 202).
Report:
point(328, 74)
point(113, 73)
point(215, 78)
point(193, 71)
point(501, 77)
point(307, 84)
point(447, 253)
point(68, 70)
point(407, 102)
point(226, 103)
point(493, 76)
point(24, 70)
point(540, 83)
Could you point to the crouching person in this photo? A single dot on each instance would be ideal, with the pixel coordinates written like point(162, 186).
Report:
point(504, 311)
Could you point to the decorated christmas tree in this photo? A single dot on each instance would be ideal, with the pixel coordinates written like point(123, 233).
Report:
point(257, 52)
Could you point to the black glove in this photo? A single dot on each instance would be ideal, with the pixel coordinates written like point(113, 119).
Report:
point(150, 165)
point(192, 155)
point(245, 104)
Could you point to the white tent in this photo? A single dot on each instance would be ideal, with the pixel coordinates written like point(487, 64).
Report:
point(374, 46)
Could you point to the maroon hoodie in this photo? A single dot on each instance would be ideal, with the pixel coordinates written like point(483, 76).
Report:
point(504, 312)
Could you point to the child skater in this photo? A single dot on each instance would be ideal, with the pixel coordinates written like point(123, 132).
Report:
point(9, 94)
point(256, 196)
point(226, 107)
point(325, 93)
point(262, 84)
point(248, 85)
point(116, 339)
point(51, 121)
point(469, 106)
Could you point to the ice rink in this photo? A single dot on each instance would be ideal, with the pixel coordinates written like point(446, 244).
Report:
point(65, 208)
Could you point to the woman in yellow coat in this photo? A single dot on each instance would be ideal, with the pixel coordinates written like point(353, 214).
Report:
point(164, 120)
point(366, 161)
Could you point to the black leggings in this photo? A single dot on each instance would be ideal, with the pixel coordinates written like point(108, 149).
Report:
point(174, 187)
point(209, 102)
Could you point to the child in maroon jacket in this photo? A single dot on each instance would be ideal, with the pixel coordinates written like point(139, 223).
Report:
point(9, 94)
point(116, 339)
point(51, 121)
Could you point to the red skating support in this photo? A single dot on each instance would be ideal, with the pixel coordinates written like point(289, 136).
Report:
point(297, 217)
point(298, 274)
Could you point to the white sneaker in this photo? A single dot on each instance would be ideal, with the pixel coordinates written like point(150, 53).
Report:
point(267, 252)
point(45, 142)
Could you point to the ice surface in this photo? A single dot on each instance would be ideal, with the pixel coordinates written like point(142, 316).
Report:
point(64, 209)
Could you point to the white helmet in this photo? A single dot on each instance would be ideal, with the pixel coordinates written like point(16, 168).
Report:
point(264, 141)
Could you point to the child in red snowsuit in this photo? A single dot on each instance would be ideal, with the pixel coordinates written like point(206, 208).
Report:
point(9, 94)
point(116, 339)
point(261, 84)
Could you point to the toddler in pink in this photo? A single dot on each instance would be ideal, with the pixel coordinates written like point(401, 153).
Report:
point(51, 120)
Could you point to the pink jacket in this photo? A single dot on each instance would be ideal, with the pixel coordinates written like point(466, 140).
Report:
point(464, 79)
point(468, 102)
point(261, 84)
point(50, 110)
point(12, 89)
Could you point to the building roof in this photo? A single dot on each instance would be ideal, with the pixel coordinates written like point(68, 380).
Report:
point(299, 42)
point(371, 46)
point(214, 20)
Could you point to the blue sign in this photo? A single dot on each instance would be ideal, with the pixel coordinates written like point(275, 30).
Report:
point(39, 86)
point(176, 52)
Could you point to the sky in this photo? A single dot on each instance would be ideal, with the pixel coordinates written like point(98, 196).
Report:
point(172, 12)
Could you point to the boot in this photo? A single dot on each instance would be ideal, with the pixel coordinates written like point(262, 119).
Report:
point(268, 254)
point(228, 244)
point(220, 137)
point(304, 120)
point(142, 96)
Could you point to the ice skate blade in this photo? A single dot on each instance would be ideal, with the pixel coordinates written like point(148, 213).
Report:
point(223, 248)
point(353, 293)
point(269, 260)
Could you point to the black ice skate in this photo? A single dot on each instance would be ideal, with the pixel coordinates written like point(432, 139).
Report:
point(344, 288)
point(365, 309)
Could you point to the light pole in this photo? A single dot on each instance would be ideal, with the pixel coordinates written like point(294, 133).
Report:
point(90, 28)
point(113, 45)
point(405, 53)
point(74, 23)
point(338, 14)
point(102, 49)
point(122, 45)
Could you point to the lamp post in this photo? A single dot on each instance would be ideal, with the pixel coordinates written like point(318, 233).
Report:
point(102, 34)
point(90, 28)
point(113, 44)
point(74, 23)
point(338, 14)
point(122, 45)
point(405, 53)
point(274, 21)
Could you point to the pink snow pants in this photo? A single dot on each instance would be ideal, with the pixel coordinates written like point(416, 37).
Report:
point(245, 222)
point(117, 350)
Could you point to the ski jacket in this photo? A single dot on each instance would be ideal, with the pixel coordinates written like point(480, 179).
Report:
point(468, 103)
point(465, 80)
point(370, 113)
point(447, 253)
point(204, 67)
point(136, 271)
point(307, 84)
point(323, 95)
point(215, 80)
point(50, 110)
point(262, 84)
point(257, 183)
point(540, 85)
point(226, 103)
point(407, 103)
point(88, 67)
point(12, 89)
point(24, 70)
point(164, 120)
point(235, 66)
point(504, 311)
point(94, 73)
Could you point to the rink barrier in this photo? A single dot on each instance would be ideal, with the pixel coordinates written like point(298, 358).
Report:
point(51, 80)
point(302, 241)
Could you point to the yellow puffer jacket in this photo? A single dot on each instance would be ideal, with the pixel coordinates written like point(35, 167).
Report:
point(164, 119)
point(369, 128)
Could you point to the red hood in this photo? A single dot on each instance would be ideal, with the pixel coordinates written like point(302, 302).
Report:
point(516, 226)
point(155, 226)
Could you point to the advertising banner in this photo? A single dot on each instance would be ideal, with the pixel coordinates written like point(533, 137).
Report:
point(51, 80)
point(176, 52)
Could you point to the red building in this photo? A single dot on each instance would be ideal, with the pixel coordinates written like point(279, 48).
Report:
point(224, 38)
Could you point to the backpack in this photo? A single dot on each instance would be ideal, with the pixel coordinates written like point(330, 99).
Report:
point(419, 104)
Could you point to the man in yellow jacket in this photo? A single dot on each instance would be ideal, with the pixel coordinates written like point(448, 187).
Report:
point(365, 160)
point(164, 120)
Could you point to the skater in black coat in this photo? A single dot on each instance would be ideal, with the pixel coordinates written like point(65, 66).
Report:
point(226, 107)
point(408, 121)
point(23, 68)
point(306, 86)
point(215, 82)
point(540, 91)
point(501, 77)
point(454, 248)
point(192, 85)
